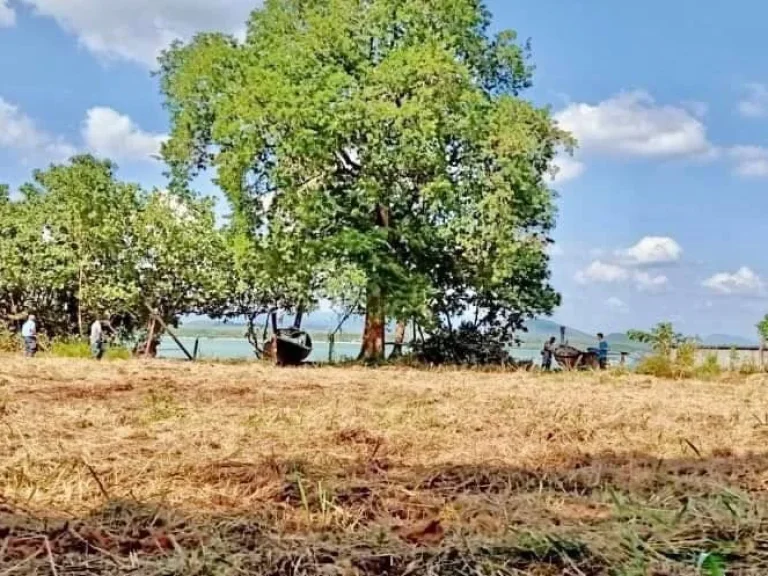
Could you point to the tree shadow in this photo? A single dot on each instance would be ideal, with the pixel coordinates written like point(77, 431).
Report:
point(657, 514)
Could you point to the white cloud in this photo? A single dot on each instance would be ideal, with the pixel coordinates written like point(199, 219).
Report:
point(751, 161)
point(633, 124)
point(565, 169)
point(698, 109)
point(652, 251)
point(138, 30)
point(616, 304)
point(646, 282)
point(743, 282)
point(602, 272)
point(7, 14)
point(755, 101)
point(19, 132)
point(113, 135)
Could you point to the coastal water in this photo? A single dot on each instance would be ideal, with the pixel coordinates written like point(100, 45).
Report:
point(238, 348)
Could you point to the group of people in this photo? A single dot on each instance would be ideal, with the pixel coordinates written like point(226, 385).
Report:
point(29, 334)
point(548, 352)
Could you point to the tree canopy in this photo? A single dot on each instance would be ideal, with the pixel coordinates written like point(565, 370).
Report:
point(78, 245)
point(389, 137)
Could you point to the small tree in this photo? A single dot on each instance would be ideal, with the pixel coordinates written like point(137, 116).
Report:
point(662, 338)
point(762, 328)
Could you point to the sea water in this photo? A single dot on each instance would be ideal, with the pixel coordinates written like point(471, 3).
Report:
point(238, 349)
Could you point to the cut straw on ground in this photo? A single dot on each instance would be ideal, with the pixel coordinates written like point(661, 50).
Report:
point(175, 468)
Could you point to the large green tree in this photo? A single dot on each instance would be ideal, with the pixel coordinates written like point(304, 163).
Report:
point(78, 244)
point(388, 135)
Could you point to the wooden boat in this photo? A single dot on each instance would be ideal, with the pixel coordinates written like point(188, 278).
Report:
point(292, 346)
point(571, 358)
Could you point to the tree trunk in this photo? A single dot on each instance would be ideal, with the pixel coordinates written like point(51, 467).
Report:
point(373, 336)
point(80, 302)
point(397, 351)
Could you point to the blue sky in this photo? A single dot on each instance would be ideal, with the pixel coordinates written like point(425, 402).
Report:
point(662, 209)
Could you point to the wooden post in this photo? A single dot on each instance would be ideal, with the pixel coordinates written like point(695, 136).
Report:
point(197, 346)
point(331, 342)
point(299, 317)
point(173, 336)
point(762, 352)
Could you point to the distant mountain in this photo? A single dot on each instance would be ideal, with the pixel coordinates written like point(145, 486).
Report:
point(728, 340)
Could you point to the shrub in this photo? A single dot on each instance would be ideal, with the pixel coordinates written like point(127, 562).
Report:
point(733, 359)
point(82, 349)
point(9, 342)
point(657, 365)
point(749, 368)
point(710, 369)
point(685, 358)
point(466, 346)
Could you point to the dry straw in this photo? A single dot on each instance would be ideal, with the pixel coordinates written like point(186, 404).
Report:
point(172, 468)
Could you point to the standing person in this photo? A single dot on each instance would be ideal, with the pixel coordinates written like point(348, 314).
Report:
point(97, 340)
point(602, 351)
point(547, 353)
point(29, 333)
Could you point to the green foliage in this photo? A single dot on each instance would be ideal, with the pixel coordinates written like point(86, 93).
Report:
point(685, 356)
point(9, 342)
point(711, 565)
point(662, 338)
point(762, 328)
point(657, 365)
point(733, 359)
point(674, 355)
point(79, 245)
point(710, 369)
point(82, 349)
point(387, 138)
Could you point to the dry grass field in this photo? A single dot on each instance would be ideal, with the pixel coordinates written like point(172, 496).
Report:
point(172, 468)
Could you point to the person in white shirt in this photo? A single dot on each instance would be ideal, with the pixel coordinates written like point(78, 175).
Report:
point(97, 340)
point(29, 333)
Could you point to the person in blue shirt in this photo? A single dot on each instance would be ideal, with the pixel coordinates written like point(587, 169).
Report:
point(602, 351)
point(29, 333)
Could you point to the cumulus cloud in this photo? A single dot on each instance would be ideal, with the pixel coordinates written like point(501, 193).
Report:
point(755, 101)
point(635, 264)
point(7, 14)
point(646, 282)
point(750, 161)
point(138, 30)
point(616, 304)
point(602, 272)
point(599, 272)
point(743, 282)
point(108, 133)
point(633, 124)
point(565, 169)
point(18, 132)
point(652, 251)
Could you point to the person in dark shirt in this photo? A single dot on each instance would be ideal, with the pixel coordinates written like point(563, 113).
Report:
point(602, 351)
point(547, 353)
